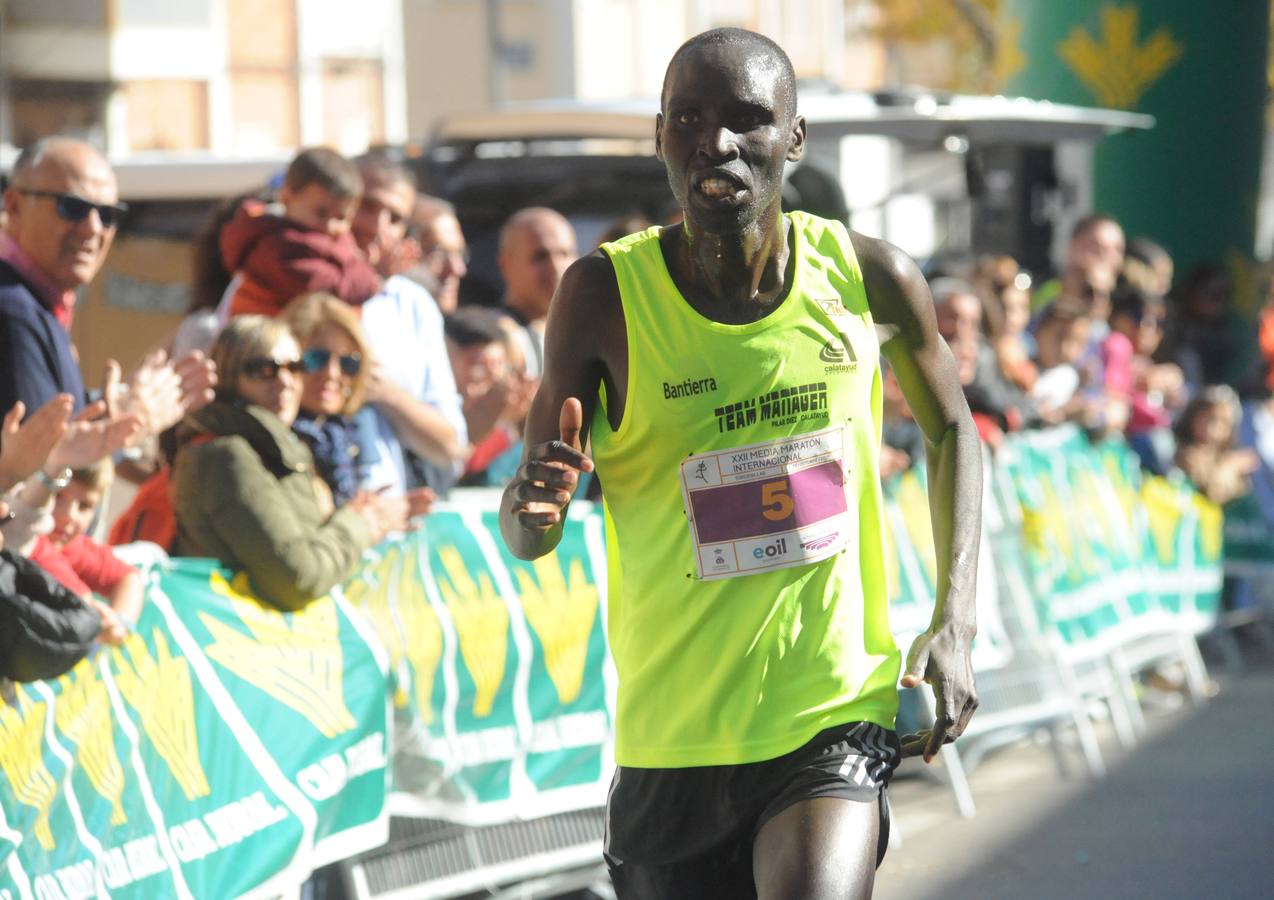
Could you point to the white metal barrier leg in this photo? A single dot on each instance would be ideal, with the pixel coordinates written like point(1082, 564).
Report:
point(1196, 669)
point(958, 780)
point(1126, 691)
point(1088, 743)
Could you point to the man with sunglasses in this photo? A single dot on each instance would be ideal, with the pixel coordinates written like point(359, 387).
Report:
point(61, 212)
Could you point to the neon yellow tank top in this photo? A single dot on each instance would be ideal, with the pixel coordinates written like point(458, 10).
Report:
point(746, 596)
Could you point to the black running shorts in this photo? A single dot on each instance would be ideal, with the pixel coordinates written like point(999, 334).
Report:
point(689, 832)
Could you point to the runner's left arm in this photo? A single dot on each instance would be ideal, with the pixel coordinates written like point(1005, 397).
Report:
point(582, 323)
point(902, 308)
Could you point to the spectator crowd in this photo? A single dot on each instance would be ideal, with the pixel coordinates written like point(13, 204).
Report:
point(327, 385)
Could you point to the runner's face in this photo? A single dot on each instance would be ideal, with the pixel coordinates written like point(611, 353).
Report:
point(724, 137)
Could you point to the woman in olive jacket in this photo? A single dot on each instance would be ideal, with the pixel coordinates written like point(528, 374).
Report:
point(244, 488)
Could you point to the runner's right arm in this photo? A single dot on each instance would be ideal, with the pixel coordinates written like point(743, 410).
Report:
point(584, 344)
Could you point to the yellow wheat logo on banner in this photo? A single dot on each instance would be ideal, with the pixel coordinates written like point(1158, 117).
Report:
point(297, 662)
point(159, 688)
point(1124, 491)
point(1211, 527)
point(1118, 70)
point(369, 591)
point(562, 612)
point(1009, 58)
point(22, 759)
point(424, 634)
point(83, 714)
point(482, 624)
point(1164, 516)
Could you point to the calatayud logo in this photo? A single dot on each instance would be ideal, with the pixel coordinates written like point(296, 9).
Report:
point(22, 760)
point(159, 688)
point(784, 406)
point(83, 714)
point(839, 356)
point(297, 659)
point(689, 387)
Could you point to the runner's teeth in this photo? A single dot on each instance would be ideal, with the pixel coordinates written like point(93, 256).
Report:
point(716, 187)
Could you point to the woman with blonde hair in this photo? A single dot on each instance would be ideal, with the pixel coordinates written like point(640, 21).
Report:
point(335, 366)
point(335, 370)
point(244, 488)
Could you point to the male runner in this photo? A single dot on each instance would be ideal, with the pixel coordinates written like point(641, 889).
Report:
point(727, 370)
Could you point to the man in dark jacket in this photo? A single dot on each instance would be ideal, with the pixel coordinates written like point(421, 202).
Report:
point(61, 213)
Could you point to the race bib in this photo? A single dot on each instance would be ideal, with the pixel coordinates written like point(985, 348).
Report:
point(767, 506)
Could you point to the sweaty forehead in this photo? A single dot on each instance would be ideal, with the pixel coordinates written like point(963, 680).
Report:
point(734, 69)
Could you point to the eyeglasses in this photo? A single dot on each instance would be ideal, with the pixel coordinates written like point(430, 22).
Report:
point(71, 208)
point(316, 359)
point(262, 368)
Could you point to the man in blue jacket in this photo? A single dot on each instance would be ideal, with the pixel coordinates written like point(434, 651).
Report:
point(62, 211)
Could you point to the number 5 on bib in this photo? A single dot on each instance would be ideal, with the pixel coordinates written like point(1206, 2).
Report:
point(770, 505)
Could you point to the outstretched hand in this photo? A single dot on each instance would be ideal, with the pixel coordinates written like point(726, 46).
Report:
point(162, 391)
point(942, 659)
point(24, 446)
point(89, 438)
point(545, 484)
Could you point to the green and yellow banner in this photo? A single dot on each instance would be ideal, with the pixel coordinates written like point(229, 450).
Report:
point(227, 748)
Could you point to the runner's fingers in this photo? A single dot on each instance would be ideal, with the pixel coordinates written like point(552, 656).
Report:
point(549, 475)
point(539, 468)
point(557, 451)
point(913, 744)
point(529, 492)
point(938, 736)
point(970, 707)
point(538, 521)
point(917, 663)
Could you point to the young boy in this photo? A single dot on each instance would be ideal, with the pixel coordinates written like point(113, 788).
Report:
point(1061, 338)
point(81, 564)
point(280, 252)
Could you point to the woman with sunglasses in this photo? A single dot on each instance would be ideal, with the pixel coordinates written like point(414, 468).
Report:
point(333, 387)
point(335, 370)
point(244, 486)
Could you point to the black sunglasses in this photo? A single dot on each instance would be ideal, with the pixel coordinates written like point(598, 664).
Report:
point(262, 368)
point(316, 359)
point(76, 209)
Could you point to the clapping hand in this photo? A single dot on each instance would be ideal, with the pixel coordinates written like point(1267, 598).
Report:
point(161, 391)
point(89, 438)
point(25, 446)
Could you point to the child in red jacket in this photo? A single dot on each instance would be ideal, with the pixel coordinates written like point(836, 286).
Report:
point(278, 254)
point(78, 562)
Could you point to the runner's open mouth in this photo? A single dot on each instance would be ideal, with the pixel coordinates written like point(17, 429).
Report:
point(717, 186)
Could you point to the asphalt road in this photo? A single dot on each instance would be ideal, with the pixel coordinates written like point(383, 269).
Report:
point(1187, 813)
